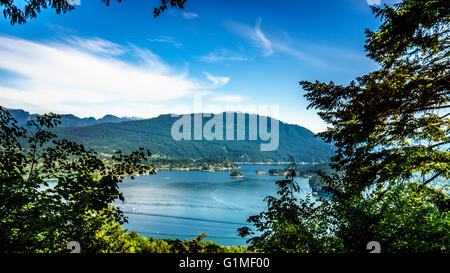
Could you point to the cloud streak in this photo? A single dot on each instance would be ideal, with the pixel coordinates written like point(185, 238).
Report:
point(261, 39)
point(217, 81)
point(270, 46)
point(86, 77)
point(230, 98)
point(254, 34)
point(190, 15)
point(96, 45)
point(166, 39)
point(222, 55)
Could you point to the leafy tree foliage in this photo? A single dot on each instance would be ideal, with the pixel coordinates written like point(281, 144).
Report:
point(393, 123)
point(33, 7)
point(138, 244)
point(165, 3)
point(235, 174)
point(391, 131)
point(290, 224)
point(39, 216)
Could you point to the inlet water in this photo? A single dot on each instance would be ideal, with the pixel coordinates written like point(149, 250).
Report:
point(183, 204)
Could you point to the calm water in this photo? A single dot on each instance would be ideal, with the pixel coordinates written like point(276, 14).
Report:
point(183, 204)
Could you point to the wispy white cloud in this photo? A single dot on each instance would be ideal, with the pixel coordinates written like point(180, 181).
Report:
point(230, 98)
point(190, 15)
point(262, 40)
point(373, 2)
point(220, 55)
point(299, 55)
point(87, 77)
point(302, 53)
point(254, 34)
point(166, 39)
point(59, 28)
point(217, 81)
point(96, 45)
point(152, 62)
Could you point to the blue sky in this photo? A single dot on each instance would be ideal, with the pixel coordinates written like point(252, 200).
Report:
point(99, 60)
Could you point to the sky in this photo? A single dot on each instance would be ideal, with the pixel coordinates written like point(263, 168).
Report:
point(215, 55)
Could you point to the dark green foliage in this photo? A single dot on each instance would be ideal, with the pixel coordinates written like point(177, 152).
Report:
point(313, 169)
point(32, 7)
point(164, 6)
point(16, 15)
point(316, 183)
point(41, 216)
point(305, 170)
point(314, 173)
point(36, 216)
point(279, 171)
point(155, 134)
point(235, 174)
point(391, 131)
point(138, 244)
point(393, 123)
point(291, 225)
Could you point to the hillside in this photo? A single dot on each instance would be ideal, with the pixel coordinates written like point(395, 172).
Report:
point(67, 120)
point(155, 134)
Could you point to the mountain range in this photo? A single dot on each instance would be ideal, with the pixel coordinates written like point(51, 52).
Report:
point(67, 120)
point(112, 133)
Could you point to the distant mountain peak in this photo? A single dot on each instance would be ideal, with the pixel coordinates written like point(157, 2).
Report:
point(68, 120)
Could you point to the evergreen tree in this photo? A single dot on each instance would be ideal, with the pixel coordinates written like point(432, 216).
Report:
point(391, 131)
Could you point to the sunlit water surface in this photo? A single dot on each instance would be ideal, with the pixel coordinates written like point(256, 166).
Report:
point(183, 204)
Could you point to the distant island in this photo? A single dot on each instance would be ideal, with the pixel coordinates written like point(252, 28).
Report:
point(236, 174)
point(311, 172)
point(278, 172)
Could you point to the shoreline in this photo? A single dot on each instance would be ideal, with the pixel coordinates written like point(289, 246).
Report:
point(196, 169)
point(274, 163)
